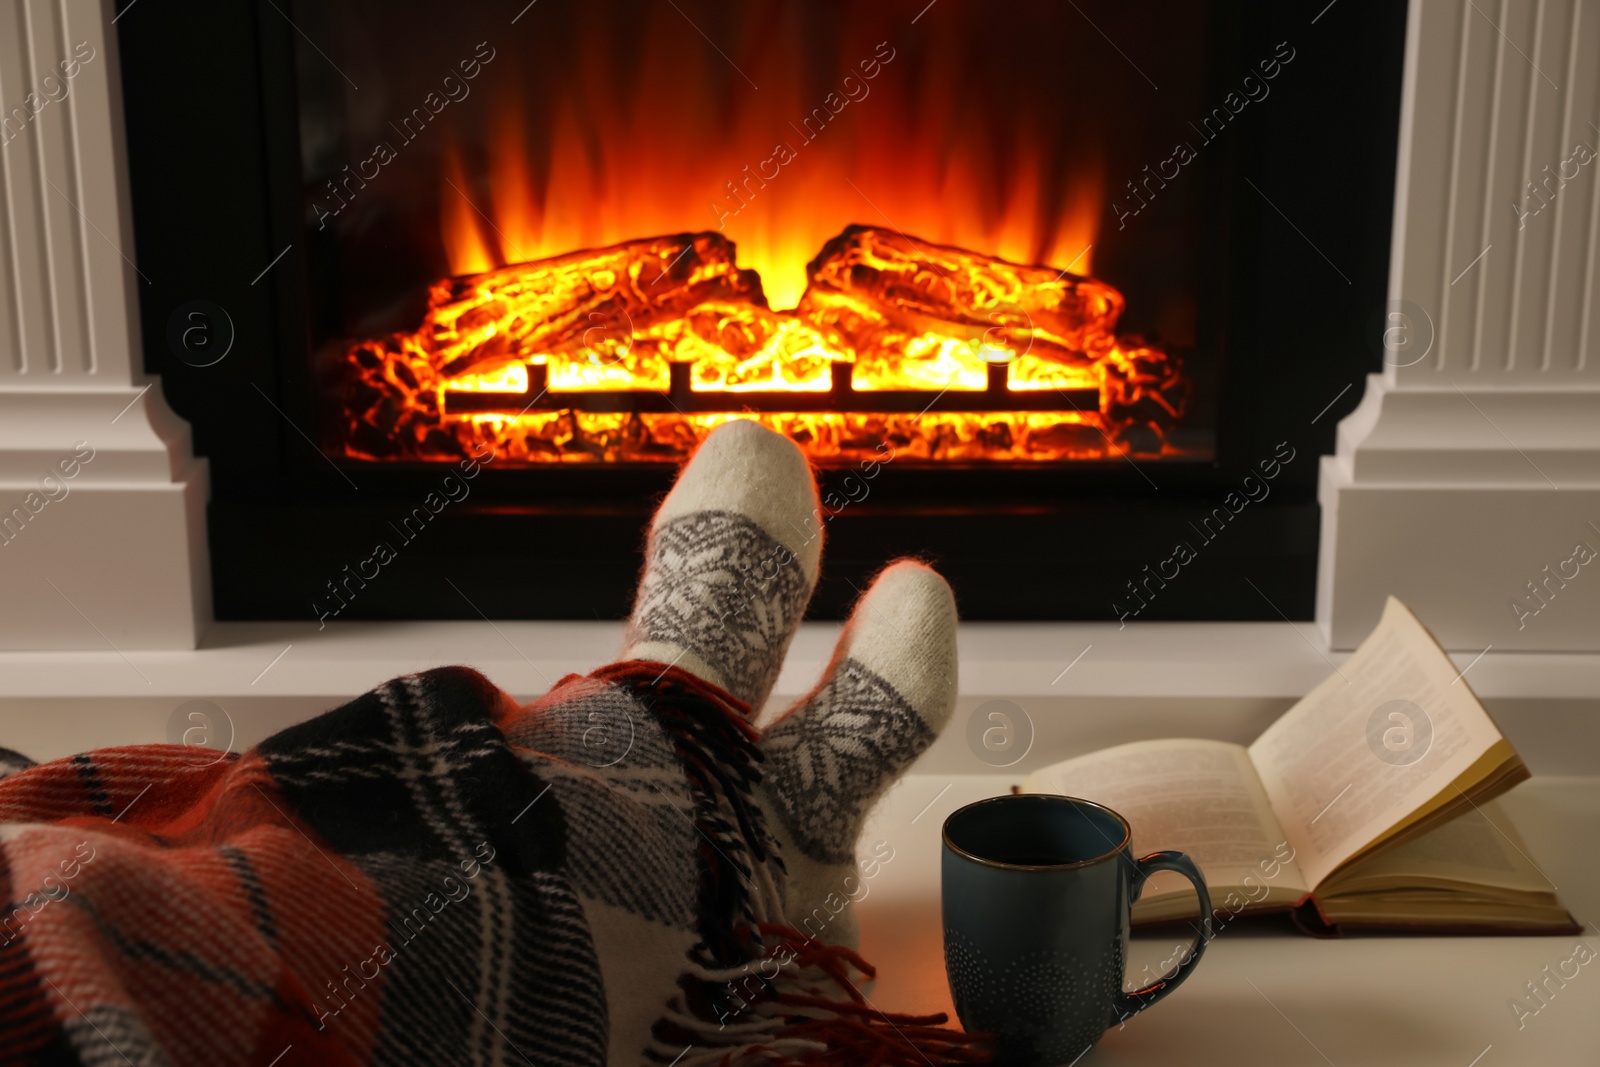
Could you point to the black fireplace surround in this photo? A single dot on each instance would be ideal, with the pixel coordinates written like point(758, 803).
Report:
point(1281, 222)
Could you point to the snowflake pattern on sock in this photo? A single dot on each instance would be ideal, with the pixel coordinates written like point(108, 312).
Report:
point(826, 762)
point(723, 588)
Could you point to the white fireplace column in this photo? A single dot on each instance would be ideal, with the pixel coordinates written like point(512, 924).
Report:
point(1468, 480)
point(102, 531)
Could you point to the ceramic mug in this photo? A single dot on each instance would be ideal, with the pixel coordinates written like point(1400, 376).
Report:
point(1037, 891)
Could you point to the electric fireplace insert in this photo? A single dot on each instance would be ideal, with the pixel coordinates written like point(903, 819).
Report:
point(1045, 291)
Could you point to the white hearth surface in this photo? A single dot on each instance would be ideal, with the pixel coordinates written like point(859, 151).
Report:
point(1084, 685)
point(1262, 995)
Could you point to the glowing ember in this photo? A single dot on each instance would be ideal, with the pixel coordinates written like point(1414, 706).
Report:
point(633, 352)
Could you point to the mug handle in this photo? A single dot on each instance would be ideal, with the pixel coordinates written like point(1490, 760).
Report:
point(1130, 1004)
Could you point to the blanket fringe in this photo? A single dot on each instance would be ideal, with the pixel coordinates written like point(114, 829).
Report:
point(716, 745)
point(757, 992)
point(812, 1013)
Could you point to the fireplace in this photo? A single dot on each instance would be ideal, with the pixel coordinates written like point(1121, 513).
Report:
point(638, 249)
point(1027, 282)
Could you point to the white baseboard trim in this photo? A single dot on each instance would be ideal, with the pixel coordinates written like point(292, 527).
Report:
point(1476, 508)
point(102, 522)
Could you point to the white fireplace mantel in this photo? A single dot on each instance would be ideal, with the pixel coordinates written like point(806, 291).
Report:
point(1458, 478)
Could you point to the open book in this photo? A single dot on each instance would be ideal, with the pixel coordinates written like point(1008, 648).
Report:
point(1367, 805)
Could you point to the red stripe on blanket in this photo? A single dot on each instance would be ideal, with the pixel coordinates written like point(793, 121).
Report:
point(201, 905)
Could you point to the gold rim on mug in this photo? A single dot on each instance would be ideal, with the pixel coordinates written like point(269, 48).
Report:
point(1047, 798)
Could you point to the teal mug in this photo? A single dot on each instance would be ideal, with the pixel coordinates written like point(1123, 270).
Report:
point(1037, 892)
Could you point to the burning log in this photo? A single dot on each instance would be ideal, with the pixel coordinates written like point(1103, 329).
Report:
point(872, 291)
point(665, 336)
point(566, 302)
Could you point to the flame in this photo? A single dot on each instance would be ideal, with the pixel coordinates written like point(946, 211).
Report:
point(511, 378)
point(777, 170)
point(470, 252)
point(557, 289)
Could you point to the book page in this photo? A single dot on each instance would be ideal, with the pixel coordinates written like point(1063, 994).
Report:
point(1479, 848)
point(1395, 726)
point(1198, 797)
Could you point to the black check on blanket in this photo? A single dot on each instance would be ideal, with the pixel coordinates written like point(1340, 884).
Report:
point(435, 873)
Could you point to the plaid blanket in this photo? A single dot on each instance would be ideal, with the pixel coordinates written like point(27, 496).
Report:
point(429, 874)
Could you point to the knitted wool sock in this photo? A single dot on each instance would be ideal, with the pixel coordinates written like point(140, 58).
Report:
point(731, 562)
point(732, 559)
point(885, 696)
